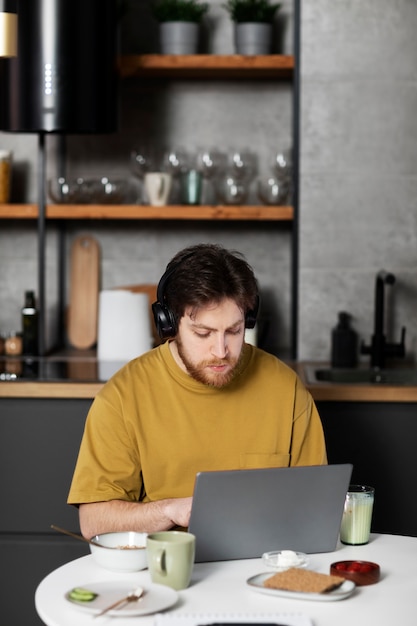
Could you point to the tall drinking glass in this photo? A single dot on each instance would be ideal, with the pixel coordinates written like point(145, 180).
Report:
point(357, 515)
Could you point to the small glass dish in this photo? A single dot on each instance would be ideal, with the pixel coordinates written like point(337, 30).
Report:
point(97, 190)
point(63, 190)
point(281, 560)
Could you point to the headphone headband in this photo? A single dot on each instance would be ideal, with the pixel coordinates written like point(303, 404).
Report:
point(160, 292)
point(164, 317)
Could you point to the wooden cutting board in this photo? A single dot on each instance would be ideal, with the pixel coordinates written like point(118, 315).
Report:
point(84, 292)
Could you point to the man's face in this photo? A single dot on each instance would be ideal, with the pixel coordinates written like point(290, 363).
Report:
point(209, 342)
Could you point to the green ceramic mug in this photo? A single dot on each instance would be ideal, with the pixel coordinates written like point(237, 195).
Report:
point(171, 558)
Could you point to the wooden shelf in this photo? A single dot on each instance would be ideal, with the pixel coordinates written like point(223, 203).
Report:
point(18, 211)
point(177, 66)
point(207, 66)
point(142, 212)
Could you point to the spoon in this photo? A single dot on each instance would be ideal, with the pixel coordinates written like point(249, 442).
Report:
point(74, 535)
point(132, 596)
point(90, 541)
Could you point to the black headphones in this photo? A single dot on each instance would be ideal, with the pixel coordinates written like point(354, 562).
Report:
point(165, 320)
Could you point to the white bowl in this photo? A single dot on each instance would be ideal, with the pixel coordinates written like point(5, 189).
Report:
point(121, 551)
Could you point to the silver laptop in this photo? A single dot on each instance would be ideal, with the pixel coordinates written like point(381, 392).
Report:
point(240, 514)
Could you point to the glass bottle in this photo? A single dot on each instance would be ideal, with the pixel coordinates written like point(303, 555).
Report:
point(344, 351)
point(30, 324)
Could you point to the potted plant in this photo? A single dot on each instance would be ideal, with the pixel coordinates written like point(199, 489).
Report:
point(179, 24)
point(253, 24)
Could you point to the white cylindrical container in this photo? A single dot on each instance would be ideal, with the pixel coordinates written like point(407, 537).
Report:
point(124, 327)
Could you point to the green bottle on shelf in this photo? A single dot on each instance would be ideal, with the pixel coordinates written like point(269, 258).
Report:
point(30, 325)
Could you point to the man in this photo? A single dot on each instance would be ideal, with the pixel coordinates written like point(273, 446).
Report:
point(203, 400)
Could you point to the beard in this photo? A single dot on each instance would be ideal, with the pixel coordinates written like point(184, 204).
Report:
point(201, 373)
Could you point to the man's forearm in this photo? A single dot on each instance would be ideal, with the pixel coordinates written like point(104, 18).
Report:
point(118, 515)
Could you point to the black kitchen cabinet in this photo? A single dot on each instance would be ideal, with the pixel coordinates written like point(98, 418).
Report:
point(39, 442)
point(380, 439)
point(25, 560)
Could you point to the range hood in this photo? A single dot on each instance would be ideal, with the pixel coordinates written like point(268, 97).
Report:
point(64, 78)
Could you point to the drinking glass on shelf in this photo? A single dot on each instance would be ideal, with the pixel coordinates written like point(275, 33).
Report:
point(231, 190)
point(141, 162)
point(272, 190)
point(242, 164)
point(191, 187)
point(175, 161)
point(210, 162)
point(282, 165)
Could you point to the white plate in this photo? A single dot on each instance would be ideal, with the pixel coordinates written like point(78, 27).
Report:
point(344, 591)
point(157, 598)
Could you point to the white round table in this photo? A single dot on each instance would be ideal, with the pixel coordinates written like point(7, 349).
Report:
point(220, 587)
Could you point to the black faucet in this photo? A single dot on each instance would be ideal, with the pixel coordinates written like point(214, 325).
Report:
point(379, 347)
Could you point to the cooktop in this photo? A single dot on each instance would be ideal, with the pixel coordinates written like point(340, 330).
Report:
point(46, 369)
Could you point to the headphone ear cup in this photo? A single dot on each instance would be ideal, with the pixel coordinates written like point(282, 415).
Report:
point(165, 321)
point(250, 318)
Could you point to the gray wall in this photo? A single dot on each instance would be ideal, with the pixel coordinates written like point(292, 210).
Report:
point(359, 65)
point(358, 166)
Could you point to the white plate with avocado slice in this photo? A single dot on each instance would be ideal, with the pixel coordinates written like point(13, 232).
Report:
point(94, 597)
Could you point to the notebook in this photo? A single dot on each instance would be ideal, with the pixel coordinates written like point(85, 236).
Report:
point(240, 514)
point(243, 619)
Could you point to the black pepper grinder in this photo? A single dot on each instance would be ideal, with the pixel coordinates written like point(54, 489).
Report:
point(344, 343)
point(30, 325)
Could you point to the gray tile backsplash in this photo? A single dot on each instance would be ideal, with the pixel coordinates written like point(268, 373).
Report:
point(358, 190)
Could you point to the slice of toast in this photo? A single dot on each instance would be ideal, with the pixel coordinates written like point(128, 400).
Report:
point(302, 580)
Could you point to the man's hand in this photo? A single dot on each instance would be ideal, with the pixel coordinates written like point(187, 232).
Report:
point(178, 510)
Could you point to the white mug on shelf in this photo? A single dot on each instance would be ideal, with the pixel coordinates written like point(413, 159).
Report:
point(157, 187)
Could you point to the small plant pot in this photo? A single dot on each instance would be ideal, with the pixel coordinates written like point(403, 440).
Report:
point(253, 38)
point(179, 37)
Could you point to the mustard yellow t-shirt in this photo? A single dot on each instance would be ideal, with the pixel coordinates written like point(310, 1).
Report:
point(152, 428)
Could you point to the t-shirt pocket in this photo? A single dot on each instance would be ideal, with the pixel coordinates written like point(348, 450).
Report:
point(255, 460)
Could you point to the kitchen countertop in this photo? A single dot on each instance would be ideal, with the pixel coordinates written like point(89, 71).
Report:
point(359, 392)
point(82, 376)
point(60, 376)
